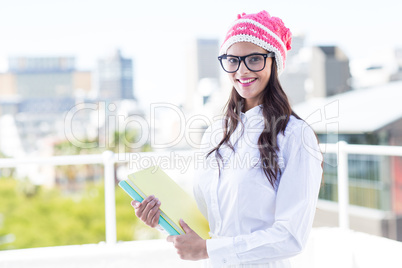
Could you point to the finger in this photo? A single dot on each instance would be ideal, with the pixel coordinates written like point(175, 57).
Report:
point(153, 214)
point(185, 227)
point(141, 210)
point(150, 205)
point(170, 238)
point(135, 204)
point(149, 198)
point(150, 210)
point(155, 219)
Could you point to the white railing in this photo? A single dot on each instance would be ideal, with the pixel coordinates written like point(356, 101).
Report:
point(108, 159)
point(342, 150)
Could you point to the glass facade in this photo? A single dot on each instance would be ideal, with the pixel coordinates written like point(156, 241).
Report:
point(370, 181)
point(115, 78)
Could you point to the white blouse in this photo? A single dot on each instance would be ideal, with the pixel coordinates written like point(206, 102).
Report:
point(252, 222)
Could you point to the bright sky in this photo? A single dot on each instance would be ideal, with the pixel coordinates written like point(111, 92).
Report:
point(151, 30)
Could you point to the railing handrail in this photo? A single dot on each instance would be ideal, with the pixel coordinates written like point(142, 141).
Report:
point(52, 160)
point(82, 159)
point(388, 150)
point(108, 159)
point(98, 159)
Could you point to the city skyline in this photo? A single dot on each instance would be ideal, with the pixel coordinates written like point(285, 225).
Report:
point(89, 30)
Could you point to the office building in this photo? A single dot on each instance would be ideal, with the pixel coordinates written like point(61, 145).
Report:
point(35, 85)
point(114, 77)
point(295, 77)
point(35, 94)
point(329, 72)
point(397, 75)
point(203, 72)
point(370, 116)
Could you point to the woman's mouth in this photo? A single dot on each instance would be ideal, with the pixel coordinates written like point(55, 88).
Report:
point(246, 82)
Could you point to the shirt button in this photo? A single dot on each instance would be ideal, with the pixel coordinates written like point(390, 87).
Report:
point(224, 261)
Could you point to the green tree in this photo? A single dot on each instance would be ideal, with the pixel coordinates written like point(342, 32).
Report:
point(51, 218)
point(119, 142)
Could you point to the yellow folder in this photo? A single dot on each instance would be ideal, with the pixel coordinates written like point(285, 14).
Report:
point(176, 203)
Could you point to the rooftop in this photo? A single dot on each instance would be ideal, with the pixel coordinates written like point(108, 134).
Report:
point(327, 247)
point(358, 111)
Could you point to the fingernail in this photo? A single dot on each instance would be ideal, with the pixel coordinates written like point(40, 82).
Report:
point(159, 202)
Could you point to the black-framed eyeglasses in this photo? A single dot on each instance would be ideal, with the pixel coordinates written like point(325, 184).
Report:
point(254, 62)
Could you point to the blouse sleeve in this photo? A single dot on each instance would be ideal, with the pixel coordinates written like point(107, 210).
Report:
point(296, 200)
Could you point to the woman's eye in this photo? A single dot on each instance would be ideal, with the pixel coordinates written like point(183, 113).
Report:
point(255, 59)
point(233, 60)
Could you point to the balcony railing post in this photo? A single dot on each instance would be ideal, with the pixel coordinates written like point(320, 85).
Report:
point(343, 185)
point(110, 202)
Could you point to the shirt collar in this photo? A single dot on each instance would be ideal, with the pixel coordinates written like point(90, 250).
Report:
point(257, 110)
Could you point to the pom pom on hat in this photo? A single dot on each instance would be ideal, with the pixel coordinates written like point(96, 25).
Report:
point(262, 30)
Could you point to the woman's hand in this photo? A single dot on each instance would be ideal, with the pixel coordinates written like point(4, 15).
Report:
point(148, 210)
point(190, 246)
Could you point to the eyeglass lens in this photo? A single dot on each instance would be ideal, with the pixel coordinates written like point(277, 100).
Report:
point(253, 63)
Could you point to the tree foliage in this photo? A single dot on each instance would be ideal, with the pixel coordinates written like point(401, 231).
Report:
point(50, 218)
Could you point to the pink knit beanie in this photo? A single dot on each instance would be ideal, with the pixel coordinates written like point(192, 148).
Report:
point(262, 30)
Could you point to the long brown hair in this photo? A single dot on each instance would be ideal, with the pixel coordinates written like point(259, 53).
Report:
point(276, 111)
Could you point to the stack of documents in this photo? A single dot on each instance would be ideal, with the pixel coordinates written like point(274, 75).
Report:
point(176, 204)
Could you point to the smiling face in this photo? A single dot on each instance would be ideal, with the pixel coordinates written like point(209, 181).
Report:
point(249, 84)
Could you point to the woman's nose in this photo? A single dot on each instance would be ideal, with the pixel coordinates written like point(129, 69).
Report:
point(243, 68)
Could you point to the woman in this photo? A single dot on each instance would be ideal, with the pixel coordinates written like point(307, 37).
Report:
point(262, 171)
